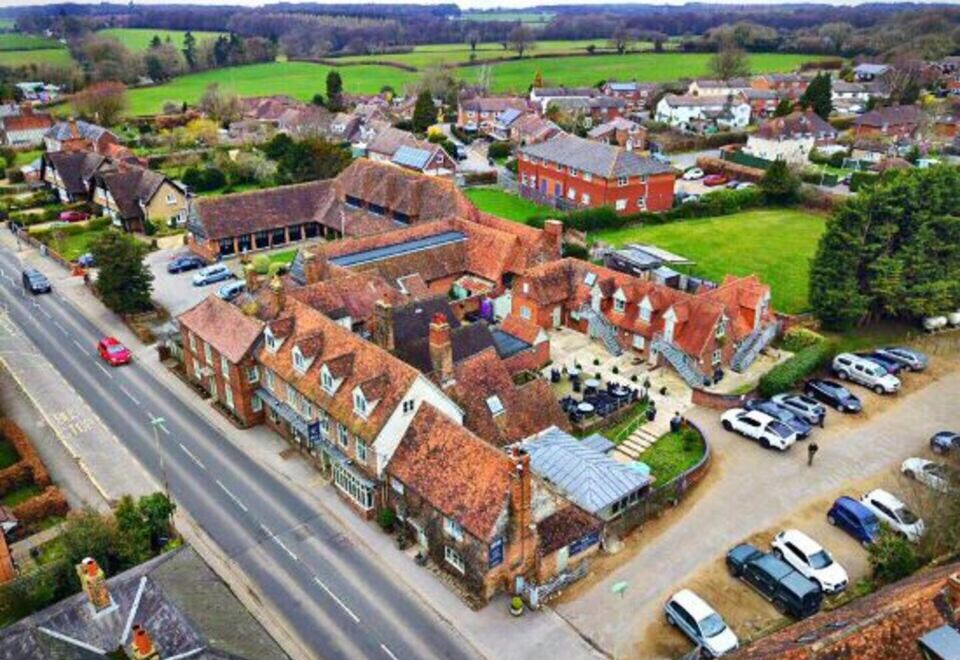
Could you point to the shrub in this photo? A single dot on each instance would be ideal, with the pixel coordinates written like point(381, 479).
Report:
point(276, 268)
point(387, 518)
point(17, 475)
point(500, 150)
point(204, 179)
point(892, 557)
point(797, 339)
point(512, 165)
point(24, 448)
point(786, 374)
point(50, 502)
point(261, 264)
point(860, 180)
point(576, 250)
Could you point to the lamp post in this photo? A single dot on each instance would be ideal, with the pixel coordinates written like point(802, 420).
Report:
point(157, 423)
point(619, 589)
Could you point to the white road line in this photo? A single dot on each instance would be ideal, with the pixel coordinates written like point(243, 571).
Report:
point(339, 602)
point(285, 548)
point(129, 396)
point(163, 427)
point(229, 494)
point(266, 529)
point(62, 329)
point(101, 368)
point(45, 312)
point(197, 461)
point(388, 651)
point(79, 345)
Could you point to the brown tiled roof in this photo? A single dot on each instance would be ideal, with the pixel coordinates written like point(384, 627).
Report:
point(267, 108)
point(389, 139)
point(130, 186)
point(353, 293)
point(493, 103)
point(26, 122)
point(796, 124)
point(74, 167)
point(894, 115)
point(523, 330)
point(562, 528)
point(533, 127)
point(456, 472)
point(223, 326)
point(527, 409)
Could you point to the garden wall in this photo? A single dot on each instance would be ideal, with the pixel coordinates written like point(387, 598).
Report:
point(736, 171)
point(716, 401)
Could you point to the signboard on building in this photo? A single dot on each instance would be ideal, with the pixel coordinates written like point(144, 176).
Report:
point(313, 433)
point(584, 542)
point(495, 553)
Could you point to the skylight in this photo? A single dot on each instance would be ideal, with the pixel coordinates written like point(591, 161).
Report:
point(495, 405)
point(589, 279)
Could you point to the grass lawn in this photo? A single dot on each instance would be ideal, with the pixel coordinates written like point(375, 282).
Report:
point(626, 426)
point(139, 39)
point(282, 257)
point(453, 54)
point(25, 157)
point(506, 205)
point(20, 495)
point(52, 56)
point(17, 41)
point(8, 455)
point(672, 454)
point(71, 247)
point(776, 244)
point(300, 80)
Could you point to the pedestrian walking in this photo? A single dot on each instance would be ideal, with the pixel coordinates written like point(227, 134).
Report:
point(812, 450)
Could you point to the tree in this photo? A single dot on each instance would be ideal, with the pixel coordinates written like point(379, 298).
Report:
point(729, 62)
point(102, 102)
point(538, 80)
point(334, 92)
point(190, 49)
point(124, 281)
point(278, 145)
point(89, 534)
point(163, 62)
point(892, 557)
point(835, 34)
point(312, 159)
point(818, 95)
point(220, 106)
point(155, 42)
point(521, 39)
point(473, 38)
point(784, 108)
point(318, 100)
point(424, 112)
point(133, 539)
point(156, 510)
point(622, 39)
point(779, 184)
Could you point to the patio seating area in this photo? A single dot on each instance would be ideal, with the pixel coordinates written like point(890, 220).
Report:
point(596, 399)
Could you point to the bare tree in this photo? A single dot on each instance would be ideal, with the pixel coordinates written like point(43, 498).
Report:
point(622, 39)
point(218, 105)
point(102, 102)
point(729, 62)
point(473, 38)
point(521, 39)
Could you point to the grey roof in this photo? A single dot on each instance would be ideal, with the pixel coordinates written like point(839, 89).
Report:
point(659, 254)
point(871, 69)
point(411, 157)
point(407, 247)
point(589, 478)
point(944, 641)
point(598, 442)
point(506, 344)
point(508, 116)
point(597, 158)
point(411, 331)
point(63, 130)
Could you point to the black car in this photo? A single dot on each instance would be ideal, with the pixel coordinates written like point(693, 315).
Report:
point(943, 442)
point(891, 365)
point(789, 591)
point(833, 394)
point(799, 426)
point(185, 262)
point(36, 282)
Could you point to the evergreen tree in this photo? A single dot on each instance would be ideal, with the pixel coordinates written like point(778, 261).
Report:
point(784, 108)
point(190, 49)
point(155, 42)
point(818, 95)
point(779, 184)
point(334, 92)
point(424, 112)
point(124, 281)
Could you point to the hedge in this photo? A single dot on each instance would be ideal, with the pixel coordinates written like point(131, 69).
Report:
point(859, 180)
point(797, 339)
point(17, 475)
point(51, 502)
point(499, 150)
point(24, 448)
point(787, 374)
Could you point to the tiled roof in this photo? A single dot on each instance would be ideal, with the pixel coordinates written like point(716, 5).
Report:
point(72, 130)
point(388, 140)
point(493, 103)
point(353, 294)
point(267, 108)
point(565, 91)
point(130, 186)
point(894, 115)
point(562, 528)
point(417, 196)
point(526, 331)
point(533, 127)
point(617, 123)
point(796, 124)
point(31, 122)
point(411, 327)
point(74, 167)
point(700, 101)
point(594, 157)
point(456, 472)
point(223, 326)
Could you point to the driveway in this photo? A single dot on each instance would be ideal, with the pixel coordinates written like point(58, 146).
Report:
point(176, 293)
point(750, 490)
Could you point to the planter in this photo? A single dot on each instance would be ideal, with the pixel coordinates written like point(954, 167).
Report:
point(516, 606)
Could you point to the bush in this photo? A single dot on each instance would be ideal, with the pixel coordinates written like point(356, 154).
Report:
point(16, 476)
point(860, 180)
point(786, 374)
point(261, 264)
point(205, 179)
point(25, 449)
point(575, 250)
point(50, 502)
point(500, 150)
point(276, 268)
point(892, 557)
point(512, 165)
point(797, 339)
point(387, 518)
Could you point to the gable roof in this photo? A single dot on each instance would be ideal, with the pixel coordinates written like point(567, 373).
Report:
point(389, 140)
point(796, 124)
point(700, 101)
point(596, 158)
point(894, 115)
point(565, 526)
point(352, 294)
point(223, 326)
point(78, 129)
point(131, 186)
point(25, 122)
point(411, 328)
point(493, 104)
point(75, 167)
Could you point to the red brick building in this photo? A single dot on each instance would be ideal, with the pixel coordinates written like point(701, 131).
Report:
point(571, 172)
point(897, 121)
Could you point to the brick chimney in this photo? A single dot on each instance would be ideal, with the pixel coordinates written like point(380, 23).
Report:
point(441, 348)
point(94, 583)
point(521, 508)
point(953, 590)
point(315, 267)
point(383, 325)
point(142, 646)
point(553, 233)
point(250, 278)
point(279, 295)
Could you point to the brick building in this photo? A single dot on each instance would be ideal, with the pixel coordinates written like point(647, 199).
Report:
point(480, 113)
point(571, 172)
point(638, 96)
point(897, 121)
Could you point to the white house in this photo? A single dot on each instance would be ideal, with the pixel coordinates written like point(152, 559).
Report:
point(700, 112)
point(790, 138)
point(717, 87)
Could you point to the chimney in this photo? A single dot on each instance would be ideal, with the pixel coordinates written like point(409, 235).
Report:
point(553, 231)
point(250, 278)
point(383, 325)
point(521, 503)
point(142, 647)
point(315, 267)
point(94, 583)
point(441, 348)
point(953, 590)
point(279, 296)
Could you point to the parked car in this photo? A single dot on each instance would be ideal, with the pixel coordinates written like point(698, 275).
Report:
point(211, 274)
point(890, 365)
point(732, 184)
point(855, 519)
point(797, 424)
point(860, 370)
point(937, 476)
point(759, 426)
point(811, 559)
point(743, 185)
point(690, 199)
point(36, 282)
point(185, 262)
point(231, 290)
point(942, 442)
point(86, 260)
point(713, 180)
point(891, 511)
point(693, 174)
point(113, 352)
point(803, 406)
point(911, 359)
point(73, 216)
point(700, 622)
point(833, 394)
point(789, 591)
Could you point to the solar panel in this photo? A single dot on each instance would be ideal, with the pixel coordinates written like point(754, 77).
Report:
point(411, 157)
point(388, 251)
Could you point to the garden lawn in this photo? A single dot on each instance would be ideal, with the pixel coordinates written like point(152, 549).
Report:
point(671, 455)
point(300, 80)
point(20, 495)
point(139, 38)
point(52, 56)
point(8, 455)
point(283, 257)
point(776, 244)
point(72, 247)
point(507, 205)
point(17, 41)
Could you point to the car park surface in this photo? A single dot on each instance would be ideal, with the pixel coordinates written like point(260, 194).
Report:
point(701, 623)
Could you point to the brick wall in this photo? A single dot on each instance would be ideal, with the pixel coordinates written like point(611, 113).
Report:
point(532, 359)
point(237, 379)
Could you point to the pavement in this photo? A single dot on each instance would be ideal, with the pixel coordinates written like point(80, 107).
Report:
point(336, 584)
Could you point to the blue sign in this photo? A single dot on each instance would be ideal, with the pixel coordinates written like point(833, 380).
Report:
point(495, 554)
point(585, 542)
point(313, 433)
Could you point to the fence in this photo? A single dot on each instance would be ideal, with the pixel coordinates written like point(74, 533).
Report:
point(746, 160)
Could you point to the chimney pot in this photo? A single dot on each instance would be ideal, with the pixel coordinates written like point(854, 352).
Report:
point(441, 348)
point(383, 325)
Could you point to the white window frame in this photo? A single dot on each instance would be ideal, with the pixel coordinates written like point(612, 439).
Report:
point(587, 176)
point(408, 406)
point(397, 485)
point(343, 435)
point(585, 198)
point(717, 357)
point(207, 354)
point(452, 528)
point(525, 313)
point(253, 374)
point(361, 451)
point(621, 205)
point(454, 558)
point(228, 396)
point(360, 404)
point(270, 379)
point(225, 367)
point(256, 405)
point(623, 181)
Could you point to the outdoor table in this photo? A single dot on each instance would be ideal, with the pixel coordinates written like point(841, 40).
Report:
point(592, 383)
point(586, 408)
point(620, 391)
point(573, 372)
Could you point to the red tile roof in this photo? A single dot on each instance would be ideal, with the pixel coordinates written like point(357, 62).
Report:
point(223, 326)
point(562, 528)
point(26, 123)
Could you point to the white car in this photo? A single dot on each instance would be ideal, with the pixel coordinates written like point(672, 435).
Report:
point(700, 622)
point(211, 274)
point(891, 511)
point(865, 372)
point(759, 426)
point(693, 174)
point(810, 559)
point(933, 475)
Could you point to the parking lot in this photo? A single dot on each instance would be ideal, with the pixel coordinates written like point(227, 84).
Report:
point(176, 293)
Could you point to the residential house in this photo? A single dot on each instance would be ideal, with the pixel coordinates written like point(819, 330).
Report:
point(542, 97)
point(763, 102)
point(479, 113)
point(638, 95)
point(38, 92)
point(704, 113)
point(570, 172)
point(529, 128)
point(790, 138)
point(70, 173)
point(868, 72)
point(913, 618)
point(897, 121)
point(24, 128)
point(268, 109)
point(589, 111)
point(219, 356)
point(786, 85)
point(730, 87)
point(391, 145)
point(133, 196)
point(851, 97)
point(522, 345)
point(79, 135)
point(872, 149)
point(620, 132)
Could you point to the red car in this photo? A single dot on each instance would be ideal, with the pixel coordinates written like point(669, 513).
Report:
point(113, 352)
point(74, 216)
point(714, 180)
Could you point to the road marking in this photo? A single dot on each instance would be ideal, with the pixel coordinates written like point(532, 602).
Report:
point(129, 396)
point(62, 329)
point(285, 548)
point(162, 424)
point(101, 368)
point(229, 494)
point(339, 602)
point(80, 346)
point(197, 461)
point(45, 312)
point(388, 651)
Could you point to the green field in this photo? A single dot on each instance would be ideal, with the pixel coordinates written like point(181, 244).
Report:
point(453, 54)
point(506, 205)
point(17, 41)
point(776, 244)
point(300, 80)
point(139, 39)
point(54, 56)
point(7, 23)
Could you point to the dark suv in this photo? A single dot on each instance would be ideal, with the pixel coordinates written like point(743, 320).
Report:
point(789, 591)
point(833, 394)
point(36, 282)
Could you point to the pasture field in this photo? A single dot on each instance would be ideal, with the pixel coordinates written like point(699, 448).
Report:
point(17, 41)
point(54, 56)
point(139, 38)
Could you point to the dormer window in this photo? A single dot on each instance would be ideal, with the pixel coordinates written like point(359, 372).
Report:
point(272, 342)
point(721, 328)
point(645, 310)
point(495, 405)
point(327, 381)
point(619, 302)
point(359, 403)
point(300, 361)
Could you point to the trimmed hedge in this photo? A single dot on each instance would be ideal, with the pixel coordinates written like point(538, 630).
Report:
point(51, 502)
point(17, 475)
point(28, 455)
point(499, 150)
point(797, 339)
point(787, 374)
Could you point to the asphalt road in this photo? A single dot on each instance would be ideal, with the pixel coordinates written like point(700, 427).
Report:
point(340, 602)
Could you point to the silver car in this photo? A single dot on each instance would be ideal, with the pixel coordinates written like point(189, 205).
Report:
point(810, 410)
point(913, 360)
